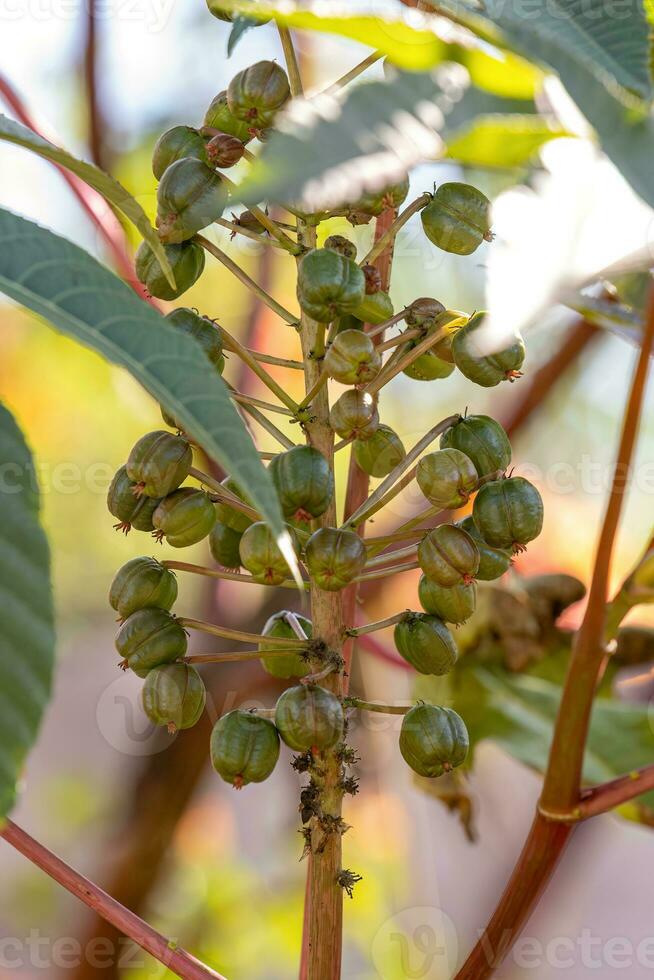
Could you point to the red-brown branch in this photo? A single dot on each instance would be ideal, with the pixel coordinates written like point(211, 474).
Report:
point(163, 950)
point(95, 206)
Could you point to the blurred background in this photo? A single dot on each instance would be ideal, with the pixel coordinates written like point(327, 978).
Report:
point(145, 816)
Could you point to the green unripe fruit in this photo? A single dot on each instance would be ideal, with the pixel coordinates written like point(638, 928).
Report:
point(159, 462)
point(457, 219)
point(244, 748)
point(261, 556)
point(287, 665)
point(256, 94)
point(131, 508)
point(352, 358)
point(354, 415)
point(329, 285)
point(149, 638)
point(184, 517)
point(508, 513)
point(375, 308)
point(433, 740)
point(190, 196)
point(218, 116)
point(424, 313)
point(493, 562)
point(338, 243)
point(452, 605)
point(203, 331)
point(447, 478)
point(225, 542)
point(304, 482)
point(381, 453)
point(334, 557)
point(426, 643)
point(348, 322)
point(483, 440)
point(142, 583)
point(389, 197)
point(174, 695)
point(309, 718)
point(224, 150)
point(233, 518)
point(485, 369)
point(187, 264)
point(448, 556)
point(433, 364)
point(224, 15)
point(175, 144)
point(168, 419)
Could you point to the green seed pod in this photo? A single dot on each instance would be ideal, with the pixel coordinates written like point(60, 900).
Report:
point(175, 144)
point(244, 748)
point(159, 462)
point(354, 415)
point(493, 562)
point(329, 285)
point(375, 308)
point(348, 322)
point(334, 557)
point(447, 477)
point(452, 605)
point(168, 419)
point(457, 219)
point(149, 638)
point(225, 542)
point(390, 197)
point(448, 556)
point(486, 370)
point(250, 221)
point(236, 519)
point(433, 740)
point(256, 94)
point(304, 482)
point(142, 583)
point(309, 718)
point(508, 513)
point(352, 358)
point(174, 695)
point(190, 196)
point(288, 665)
point(203, 330)
point(218, 116)
point(131, 508)
point(426, 643)
point(224, 150)
point(261, 556)
point(424, 313)
point(434, 364)
point(342, 245)
point(483, 440)
point(184, 517)
point(186, 261)
point(381, 453)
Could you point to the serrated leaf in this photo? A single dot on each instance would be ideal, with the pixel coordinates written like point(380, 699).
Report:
point(113, 192)
point(59, 281)
point(330, 152)
point(27, 639)
point(517, 712)
point(502, 141)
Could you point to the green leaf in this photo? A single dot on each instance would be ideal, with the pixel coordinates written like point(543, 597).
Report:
point(27, 639)
point(240, 26)
point(501, 141)
point(113, 192)
point(59, 281)
point(380, 130)
point(517, 711)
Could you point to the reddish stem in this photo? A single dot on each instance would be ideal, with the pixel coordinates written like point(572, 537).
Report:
point(95, 206)
point(166, 952)
point(606, 797)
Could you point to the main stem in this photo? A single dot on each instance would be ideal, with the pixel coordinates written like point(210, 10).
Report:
point(323, 921)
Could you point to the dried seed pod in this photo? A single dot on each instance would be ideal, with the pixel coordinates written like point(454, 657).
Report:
point(224, 151)
point(373, 279)
point(342, 245)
